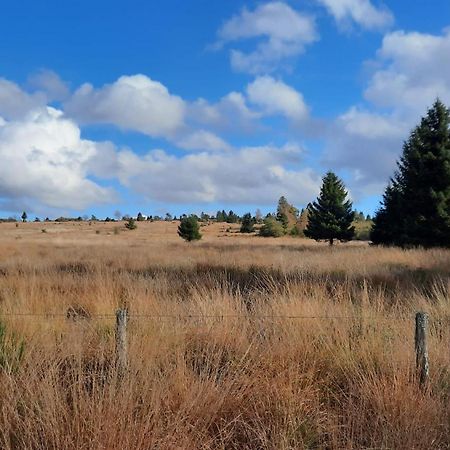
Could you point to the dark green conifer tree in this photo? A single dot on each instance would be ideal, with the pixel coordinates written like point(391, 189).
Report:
point(189, 229)
point(416, 205)
point(330, 217)
point(248, 223)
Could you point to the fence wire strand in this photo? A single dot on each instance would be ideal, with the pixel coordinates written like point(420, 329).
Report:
point(210, 316)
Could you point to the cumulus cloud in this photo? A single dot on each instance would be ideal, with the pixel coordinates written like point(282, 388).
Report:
point(15, 103)
point(202, 140)
point(415, 69)
point(133, 103)
point(240, 112)
point(49, 83)
point(282, 33)
point(230, 113)
point(412, 69)
point(248, 175)
point(276, 97)
point(45, 162)
point(360, 12)
point(368, 144)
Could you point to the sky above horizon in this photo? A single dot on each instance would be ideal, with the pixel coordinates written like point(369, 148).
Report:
point(190, 106)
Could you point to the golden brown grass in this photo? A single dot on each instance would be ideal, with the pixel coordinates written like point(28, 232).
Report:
point(219, 356)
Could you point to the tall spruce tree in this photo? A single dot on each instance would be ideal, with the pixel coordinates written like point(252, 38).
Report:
point(415, 210)
point(331, 216)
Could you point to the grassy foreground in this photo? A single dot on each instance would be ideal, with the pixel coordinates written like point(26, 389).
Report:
point(235, 342)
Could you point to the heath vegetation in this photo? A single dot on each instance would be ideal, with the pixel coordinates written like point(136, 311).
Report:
point(236, 342)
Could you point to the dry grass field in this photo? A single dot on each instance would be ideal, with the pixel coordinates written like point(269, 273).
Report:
point(235, 342)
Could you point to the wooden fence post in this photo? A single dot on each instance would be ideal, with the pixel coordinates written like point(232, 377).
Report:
point(121, 341)
point(421, 346)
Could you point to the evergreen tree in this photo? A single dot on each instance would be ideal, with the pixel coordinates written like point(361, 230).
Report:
point(24, 216)
point(189, 229)
point(221, 216)
point(331, 216)
point(140, 217)
point(282, 212)
point(387, 226)
point(248, 223)
point(416, 205)
point(232, 217)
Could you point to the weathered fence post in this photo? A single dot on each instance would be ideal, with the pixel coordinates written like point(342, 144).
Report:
point(121, 341)
point(421, 346)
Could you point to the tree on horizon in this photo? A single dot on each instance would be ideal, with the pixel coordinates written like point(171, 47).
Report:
point(189, 229)
point(248, 223)
point(330, 217)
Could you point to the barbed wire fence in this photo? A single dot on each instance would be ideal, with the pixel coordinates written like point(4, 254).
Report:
point(122, 318)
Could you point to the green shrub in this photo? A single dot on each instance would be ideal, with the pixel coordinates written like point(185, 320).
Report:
point(130, 224)
point(272, 228)
point(189, 229)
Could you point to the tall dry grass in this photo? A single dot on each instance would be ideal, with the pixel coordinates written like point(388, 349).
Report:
point(234, 342)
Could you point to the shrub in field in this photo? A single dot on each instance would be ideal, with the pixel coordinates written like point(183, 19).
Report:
point(189, 229)
point(130, 224)
point(271, 228)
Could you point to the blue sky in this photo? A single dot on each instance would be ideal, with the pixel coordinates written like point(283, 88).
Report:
point(194, 106)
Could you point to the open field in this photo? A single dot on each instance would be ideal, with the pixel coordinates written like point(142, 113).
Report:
point(235, 342)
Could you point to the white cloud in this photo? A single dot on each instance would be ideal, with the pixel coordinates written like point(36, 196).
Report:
point(248, 175)
point(50, 83)
point(357, 122)
point(367, 144)
point(15, 103)
point(415, 70)
point(282, 31)
point(230, 113)
point(412, 70)
point(276, 97)
point(45, 162)
point(361, 12)
point(133, 103)
point(202, 140)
